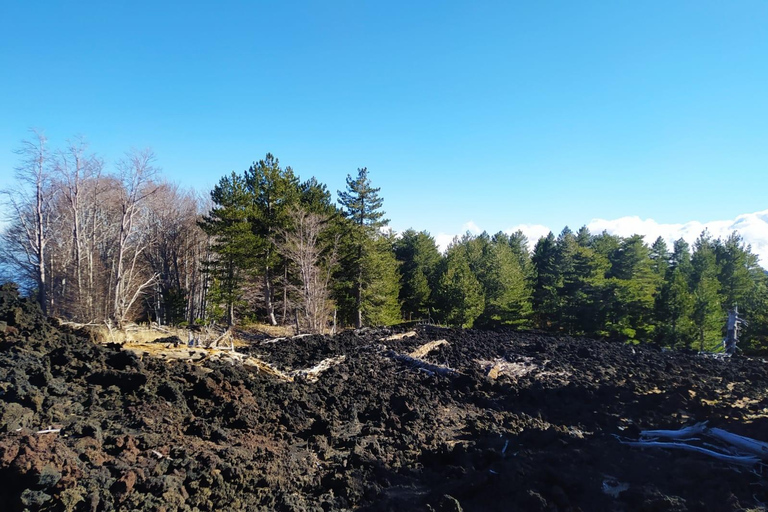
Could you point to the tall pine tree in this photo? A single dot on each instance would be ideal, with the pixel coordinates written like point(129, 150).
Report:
point(275, 191)
point(364, 251)
point(419, 257)
point(233, 242)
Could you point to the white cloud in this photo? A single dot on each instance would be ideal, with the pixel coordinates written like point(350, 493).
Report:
point(531, 231)
point(443, 240)
point(753, 228)
point(471, 227)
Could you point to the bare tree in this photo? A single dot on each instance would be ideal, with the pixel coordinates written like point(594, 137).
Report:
point(136, 172)
point(78, 172)
point(175, 252)
point(31, 211)
point(302, 246)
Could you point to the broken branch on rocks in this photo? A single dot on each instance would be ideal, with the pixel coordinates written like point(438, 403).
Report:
point(733, 448)
point(427, 348)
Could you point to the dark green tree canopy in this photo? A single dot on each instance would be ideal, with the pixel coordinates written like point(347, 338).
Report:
point(361, 202)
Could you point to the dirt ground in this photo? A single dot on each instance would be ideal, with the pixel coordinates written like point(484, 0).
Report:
point(487, 420)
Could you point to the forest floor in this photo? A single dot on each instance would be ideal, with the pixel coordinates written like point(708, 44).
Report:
point(431, 419)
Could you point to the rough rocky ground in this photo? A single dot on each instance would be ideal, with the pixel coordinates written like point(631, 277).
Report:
point(526, 422)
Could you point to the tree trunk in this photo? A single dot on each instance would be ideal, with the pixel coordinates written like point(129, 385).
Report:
point(285, 294)
point(358, 288)
point(41, 240)
point(268, 298)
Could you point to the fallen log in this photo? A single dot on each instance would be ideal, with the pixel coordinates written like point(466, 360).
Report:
point(400, 336)
point(683, 433)
point(273, 340)
point(740, 460)
point(427, 348)
point(746, 444)
point(312, 374)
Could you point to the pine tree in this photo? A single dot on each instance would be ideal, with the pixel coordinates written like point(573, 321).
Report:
point(518, 242)
point(567, 284)
point(275, 191)
point(659, 258)
point(497, 269)
point(634, 287)
point(361, 206)
point(459, 294)
point(419, 257)
point(507, 291)
point(707, 314)
point(546, 282)
point(381, 280)
point(583, 293)
point(233, 241)
point(674, 307)
point(735, 262)
point(583, 237)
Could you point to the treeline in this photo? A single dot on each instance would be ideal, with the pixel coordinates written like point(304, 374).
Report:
point(266, 245)
point(603, 286)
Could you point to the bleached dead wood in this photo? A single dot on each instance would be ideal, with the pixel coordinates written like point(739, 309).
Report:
point(312, 374)
point(409, 334)
point(267, 368)
point(499, 367)
point(49, 431)
point(225, 335)
point(427, 348)
point(683, 433)
point(741, 460)
point(160, 328)
point(273, 340)
point(78, 325)
point(742, 443)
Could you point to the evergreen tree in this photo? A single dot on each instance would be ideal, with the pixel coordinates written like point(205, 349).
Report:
point(361, 206)
point(583, 237)
point(233, 241)
point(583, 300)
point(379, 294)
point(660, 258)
point(419, 257)
point(674, 307)
point(505, 288)
point(546, 282)
point(707, 314)
point(567, 283)
point(275, 191)
point(634, 286)
point(459, 294)
point(315, 197)
point(681, 257)
point(518, 242)
point(735, 263)
point(605, 244)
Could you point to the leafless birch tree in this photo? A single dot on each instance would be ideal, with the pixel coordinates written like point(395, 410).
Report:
point(31, 212)
point(302, 246)
point(78, 174)
point(136, 172)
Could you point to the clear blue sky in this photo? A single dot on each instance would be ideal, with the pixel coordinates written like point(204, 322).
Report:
point(497, 112)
